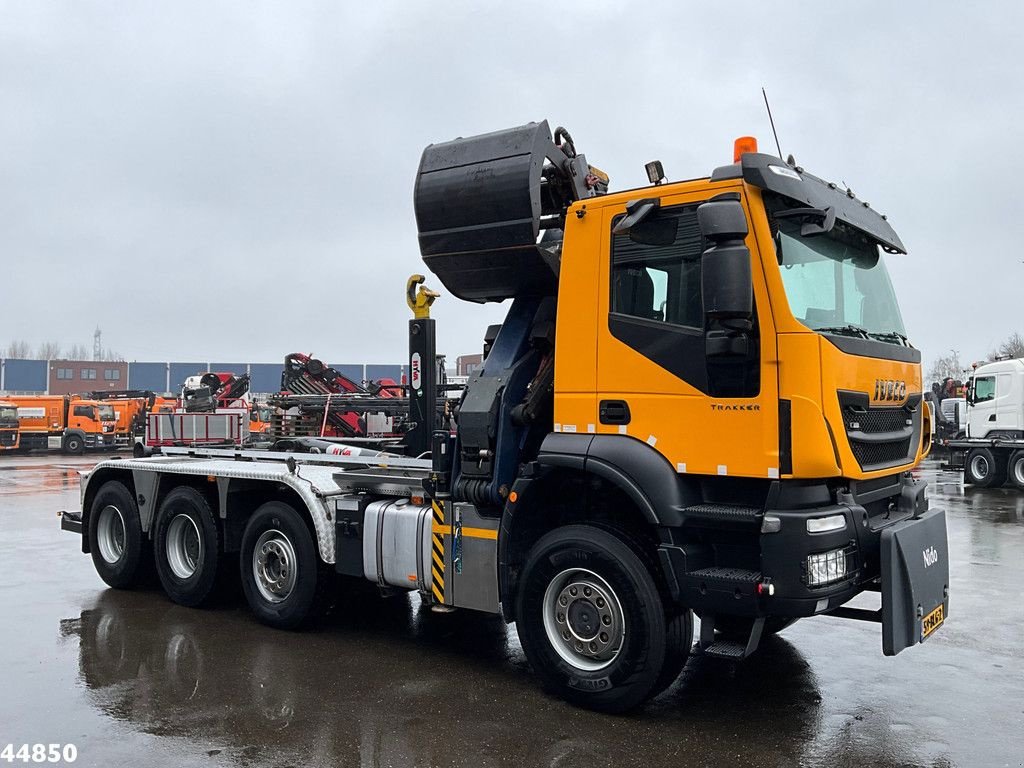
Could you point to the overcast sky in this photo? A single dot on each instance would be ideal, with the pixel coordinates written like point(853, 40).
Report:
point(233, 181)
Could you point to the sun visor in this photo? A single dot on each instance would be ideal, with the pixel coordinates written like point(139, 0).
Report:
point(770, 173)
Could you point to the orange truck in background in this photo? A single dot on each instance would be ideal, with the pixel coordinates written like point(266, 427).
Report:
point(130, 409)
point(68, 422)
point(8, 426)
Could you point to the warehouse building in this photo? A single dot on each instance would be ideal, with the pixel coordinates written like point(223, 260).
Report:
point(60, 377)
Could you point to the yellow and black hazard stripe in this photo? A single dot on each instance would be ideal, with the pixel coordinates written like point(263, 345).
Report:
point(437, 551)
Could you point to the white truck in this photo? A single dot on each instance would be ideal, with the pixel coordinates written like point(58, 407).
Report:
point(992, 450)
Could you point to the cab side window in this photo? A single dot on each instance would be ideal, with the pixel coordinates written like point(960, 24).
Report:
point(84, 410)
point(660, 282)
point(984, 388)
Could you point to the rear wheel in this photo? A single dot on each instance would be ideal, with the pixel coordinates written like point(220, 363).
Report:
point(1016, 467)
point(591, 620)
point(283, 578)
point(187, 547)
point(985, 468)
point(115, 536)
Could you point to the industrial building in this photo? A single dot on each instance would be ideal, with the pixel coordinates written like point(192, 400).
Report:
point(59, 377)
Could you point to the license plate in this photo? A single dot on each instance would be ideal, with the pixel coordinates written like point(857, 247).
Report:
point(932, 621)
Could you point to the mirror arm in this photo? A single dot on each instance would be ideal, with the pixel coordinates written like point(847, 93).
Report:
point(636, 211)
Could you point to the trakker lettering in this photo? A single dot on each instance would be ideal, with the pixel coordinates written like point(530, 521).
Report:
point(735, 407)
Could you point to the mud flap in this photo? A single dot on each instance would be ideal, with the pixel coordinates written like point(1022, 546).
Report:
point(915, 580)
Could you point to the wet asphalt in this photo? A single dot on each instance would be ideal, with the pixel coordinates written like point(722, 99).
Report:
point(131, 679)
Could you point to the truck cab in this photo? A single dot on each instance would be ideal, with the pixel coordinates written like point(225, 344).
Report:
point(9, 437)
point(995, 400)
point(95, 421)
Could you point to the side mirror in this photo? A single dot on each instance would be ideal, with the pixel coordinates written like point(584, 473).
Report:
point(727, 286)
point(644, 226)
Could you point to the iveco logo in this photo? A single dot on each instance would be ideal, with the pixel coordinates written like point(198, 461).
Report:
point(887, 390)
point(931, 557)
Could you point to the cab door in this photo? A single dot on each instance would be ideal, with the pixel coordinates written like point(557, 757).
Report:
point(982, 401)
point(655, 381)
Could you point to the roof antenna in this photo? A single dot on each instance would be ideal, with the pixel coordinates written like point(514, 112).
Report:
point(772, 121)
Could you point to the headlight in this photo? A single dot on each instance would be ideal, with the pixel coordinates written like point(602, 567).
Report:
point(826, 567)
point(826, 524)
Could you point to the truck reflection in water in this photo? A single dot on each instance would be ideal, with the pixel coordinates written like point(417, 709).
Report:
point(388, 683)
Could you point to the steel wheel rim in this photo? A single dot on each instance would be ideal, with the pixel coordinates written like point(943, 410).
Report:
point(110, 534)
point(184, 546)
point(274, 566)
point(1018, 471)
point(583, 619)
point(979, 467)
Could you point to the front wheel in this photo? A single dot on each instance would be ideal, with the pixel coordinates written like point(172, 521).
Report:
point(74, 444)
point(283, 579)
point(591, 620)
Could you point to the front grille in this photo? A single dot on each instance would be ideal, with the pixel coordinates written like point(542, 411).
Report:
point(877, 455)
point(876, 420)
point(881, 437)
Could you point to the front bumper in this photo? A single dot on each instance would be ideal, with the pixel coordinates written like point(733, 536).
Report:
point(100, 441)
point(891, 543)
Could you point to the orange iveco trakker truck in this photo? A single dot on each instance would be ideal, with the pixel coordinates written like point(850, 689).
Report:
point(67, 422)
point(8, 426)
point(701, 403)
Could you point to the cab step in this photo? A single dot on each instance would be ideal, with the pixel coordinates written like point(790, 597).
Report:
point(718, 647)
point(726, 649)
point(709, 514)
point(729, 575)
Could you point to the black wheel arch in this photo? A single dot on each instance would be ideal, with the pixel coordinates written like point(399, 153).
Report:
point(640, 493)
point(643, 474)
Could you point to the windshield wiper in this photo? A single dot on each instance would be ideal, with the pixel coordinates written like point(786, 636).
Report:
point(845, 330)
point(894, 335)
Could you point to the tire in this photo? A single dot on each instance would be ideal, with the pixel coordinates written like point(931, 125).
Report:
point(613, 671)
point(984, 468)
point(678, 642)
point(116, 542)
point(738, 627)
point(74, 444)
point(283, 578)
point(186, 547)
point(1016, 470)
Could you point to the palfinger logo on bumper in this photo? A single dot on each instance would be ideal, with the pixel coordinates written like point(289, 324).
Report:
point(890, 391)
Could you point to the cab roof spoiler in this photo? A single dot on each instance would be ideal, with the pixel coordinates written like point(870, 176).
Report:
point(771, 173)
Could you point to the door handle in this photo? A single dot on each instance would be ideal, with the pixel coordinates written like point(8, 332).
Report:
point(613, 412)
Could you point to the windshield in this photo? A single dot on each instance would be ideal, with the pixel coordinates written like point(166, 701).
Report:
point(838, 283)
point(107, 413)
point(8, 414)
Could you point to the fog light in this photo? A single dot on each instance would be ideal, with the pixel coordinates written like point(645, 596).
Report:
point(826, 524)
point(826, 567)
